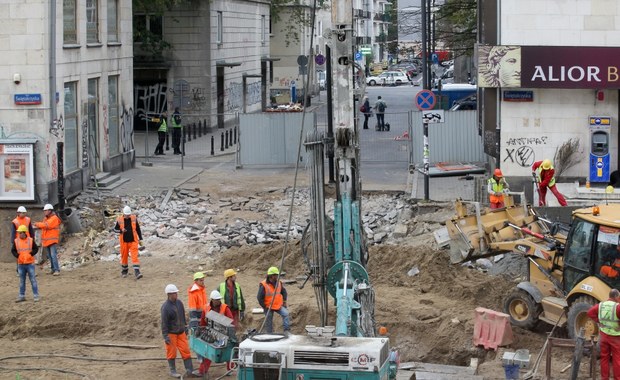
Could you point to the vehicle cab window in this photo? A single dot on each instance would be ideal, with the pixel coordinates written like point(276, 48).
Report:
point(578, 253)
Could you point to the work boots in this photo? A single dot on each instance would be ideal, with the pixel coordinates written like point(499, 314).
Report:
point(138, 274)
point(173, 369)
point(189, 368)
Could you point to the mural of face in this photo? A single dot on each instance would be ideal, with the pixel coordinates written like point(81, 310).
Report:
point(510, 69)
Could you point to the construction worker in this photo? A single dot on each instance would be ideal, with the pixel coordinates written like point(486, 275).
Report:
point(173, 325)
point(611, 268)
point(128, 228)
point(21, 220)
point(545, 175)
point(196, 302)
point(177, 129)
point(232, 295)
point(272, 298)
point(162, 130)
point(50, 236)
point(215, 304)
point(607, 315)
point(496, 187)
point(24, 248)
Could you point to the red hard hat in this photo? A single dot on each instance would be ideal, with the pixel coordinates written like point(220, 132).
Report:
point(498, 173)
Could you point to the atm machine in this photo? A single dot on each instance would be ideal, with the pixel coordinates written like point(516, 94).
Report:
point(600, 128)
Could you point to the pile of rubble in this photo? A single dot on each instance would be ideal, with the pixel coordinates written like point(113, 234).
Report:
point(190, 218)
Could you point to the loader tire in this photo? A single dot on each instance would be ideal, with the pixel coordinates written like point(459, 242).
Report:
point(522, 309)
point(578, 318)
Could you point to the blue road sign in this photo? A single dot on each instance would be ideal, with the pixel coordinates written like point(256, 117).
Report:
point(319, 59)
point(358, 56)
point(425, 100)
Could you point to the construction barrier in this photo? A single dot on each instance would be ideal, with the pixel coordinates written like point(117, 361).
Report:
point(492, 329)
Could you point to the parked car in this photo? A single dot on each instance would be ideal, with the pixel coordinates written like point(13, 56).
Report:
point(469, 102)
point(388, 78)
point(409, 68)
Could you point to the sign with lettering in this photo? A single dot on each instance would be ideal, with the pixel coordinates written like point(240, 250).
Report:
point(27, 99)
point(17, 167)
point(518, 96)
point(513, 66)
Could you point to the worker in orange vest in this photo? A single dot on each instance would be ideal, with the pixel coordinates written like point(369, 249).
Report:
point(196, 302)
point(24, 248)
point(611, 268)
point(128, 228)
point(232, 295)
point(545, 174)
point(50, 236)
point(496, 187)
point(218, 306)
point(272, 298)
point(21, 220)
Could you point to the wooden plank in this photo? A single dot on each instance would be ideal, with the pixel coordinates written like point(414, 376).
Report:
point(421, 375)
point(437, 368)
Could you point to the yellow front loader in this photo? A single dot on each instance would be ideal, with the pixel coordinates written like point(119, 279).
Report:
point(571, 267)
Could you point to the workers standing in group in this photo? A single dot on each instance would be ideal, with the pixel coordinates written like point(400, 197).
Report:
point(177, 129)
point(50, 236)
point(215, 304)
point(496, 187)
point(545, 176)
point(232, 295)
point(272, 298)
point(162, 131)
point(128, 228)
point(173, 326)
point(21, 220)
point(607, 315)
point(24, 248)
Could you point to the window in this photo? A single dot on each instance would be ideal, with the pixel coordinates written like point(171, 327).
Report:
point(578, 253)
point(113, 21)
point(71, 129)
point(220, 28)
point(113, 114)
point(92, 21)
point(93, 101)
point(263, 29)
point(69, 27)
point(147, 27)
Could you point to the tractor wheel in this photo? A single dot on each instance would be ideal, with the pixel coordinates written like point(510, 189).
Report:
point(578, 318)
point(522, 309)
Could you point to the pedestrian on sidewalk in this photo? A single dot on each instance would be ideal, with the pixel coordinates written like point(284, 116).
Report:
point(161, 134)
point(173, 327)
point(496, 187)
point(607, 315)
point(215, 304)
point(21, 220)
point(380, 107)
point(50, 237)
point(24, 248)
point(177, 129)
point(128, 228)
point(272, 298)
point(367, 111)
point(232, 295)
point(545, 175)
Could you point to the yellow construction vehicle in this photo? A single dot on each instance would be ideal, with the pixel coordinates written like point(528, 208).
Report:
point(571, 267)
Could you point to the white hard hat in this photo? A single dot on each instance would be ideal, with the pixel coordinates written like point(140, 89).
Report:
point(215, 295)
point(127, 210)
point(48, 207)
point(171, 288)
point(21, 209)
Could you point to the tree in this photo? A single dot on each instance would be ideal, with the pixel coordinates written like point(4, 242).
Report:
point(297, 13)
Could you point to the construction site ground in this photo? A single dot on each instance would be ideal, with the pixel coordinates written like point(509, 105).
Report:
point(429, 316)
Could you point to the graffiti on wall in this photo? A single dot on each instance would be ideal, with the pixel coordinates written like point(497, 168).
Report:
point(85, 141)
point(520, 150)
point(126, 129)
point(106, 132)
point(234, 96)
point(149, 100)
point(58, 128)
point(254, 93)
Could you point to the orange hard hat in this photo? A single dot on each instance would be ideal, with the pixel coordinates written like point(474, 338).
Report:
point(498, 173)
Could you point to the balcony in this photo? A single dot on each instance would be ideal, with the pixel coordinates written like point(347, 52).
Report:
point(362, 41)
point(382, 17)
point(360, 13)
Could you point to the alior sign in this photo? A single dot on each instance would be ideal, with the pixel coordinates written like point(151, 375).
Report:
point(548, 67)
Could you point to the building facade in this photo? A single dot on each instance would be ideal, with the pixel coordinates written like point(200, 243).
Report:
point(563, 87)
point(66, 78)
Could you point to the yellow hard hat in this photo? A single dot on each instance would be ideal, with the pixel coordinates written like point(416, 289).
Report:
point(198, 275)
point(229, 273)
point(609, 190)
point(546, 164)
point(22, 228)
point(273, 270)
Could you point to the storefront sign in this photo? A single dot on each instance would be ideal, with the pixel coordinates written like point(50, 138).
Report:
point(518, 96)
point(27, 99)
point(17, 180)
point(512, 66)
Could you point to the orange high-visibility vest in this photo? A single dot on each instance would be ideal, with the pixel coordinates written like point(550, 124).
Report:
point(270, 293)
point(196, 297)
point(222, 310)
point(50, 230)
point(121, 223)
point(24, 248)
point(22, 221)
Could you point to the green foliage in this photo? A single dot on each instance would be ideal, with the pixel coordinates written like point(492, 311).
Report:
point(156, 7)
point(456, 26)
point(291, 16)
point(392, 16)
point(152, 45)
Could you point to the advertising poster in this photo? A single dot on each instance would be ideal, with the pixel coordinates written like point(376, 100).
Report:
point(17, 172)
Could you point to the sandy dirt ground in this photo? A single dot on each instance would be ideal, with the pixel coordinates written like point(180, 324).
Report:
point(429, 316)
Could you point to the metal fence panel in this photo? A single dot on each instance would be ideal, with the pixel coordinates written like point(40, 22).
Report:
point(455, 140)
point(385, 146)
point(272, 138)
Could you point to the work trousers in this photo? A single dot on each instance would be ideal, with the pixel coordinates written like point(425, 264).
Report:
point(161, 137)
point(176, 140)
point(610, 351)
point(52, 254)
point(495, 205)
point(130, 248)
point(286, 324)
point(178, 342)
point(543, 195)
point(23, 270)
